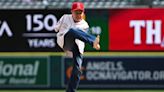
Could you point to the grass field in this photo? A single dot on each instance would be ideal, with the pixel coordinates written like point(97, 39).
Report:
point(82, 91)
point(85, 54)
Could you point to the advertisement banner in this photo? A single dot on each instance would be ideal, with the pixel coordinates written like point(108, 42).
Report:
point(29, 30)
point(136, 29)
point(119, 72)
point(24, 72)
point(33, 30)
point(98, 22)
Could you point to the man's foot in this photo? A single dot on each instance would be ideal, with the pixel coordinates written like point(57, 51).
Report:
point(96, 44)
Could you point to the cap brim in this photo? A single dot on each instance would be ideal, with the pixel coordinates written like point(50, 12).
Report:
point(78, 9)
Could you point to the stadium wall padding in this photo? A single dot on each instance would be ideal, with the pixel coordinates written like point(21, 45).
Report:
point(53, 72)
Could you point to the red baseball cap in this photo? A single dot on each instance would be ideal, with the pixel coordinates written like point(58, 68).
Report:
point(77, 6)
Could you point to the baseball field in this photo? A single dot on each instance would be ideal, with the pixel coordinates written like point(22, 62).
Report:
point(85, 54)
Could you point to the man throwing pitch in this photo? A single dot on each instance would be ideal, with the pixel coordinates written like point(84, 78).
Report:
point(72, 37)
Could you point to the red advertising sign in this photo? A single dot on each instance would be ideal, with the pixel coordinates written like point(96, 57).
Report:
point(136, 30)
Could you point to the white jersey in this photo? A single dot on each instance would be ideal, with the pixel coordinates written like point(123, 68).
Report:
point(65, 23)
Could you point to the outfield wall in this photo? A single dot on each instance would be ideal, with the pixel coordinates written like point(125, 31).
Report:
point(108, 71)
point(138, 29)
point(34, 32)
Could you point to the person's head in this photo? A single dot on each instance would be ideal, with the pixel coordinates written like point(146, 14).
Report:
point(77, 11)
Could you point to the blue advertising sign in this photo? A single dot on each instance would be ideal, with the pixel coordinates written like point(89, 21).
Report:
point(119, 72)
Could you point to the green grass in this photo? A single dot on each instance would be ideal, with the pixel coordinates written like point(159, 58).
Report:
point(82, 91)
point(85, 53)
